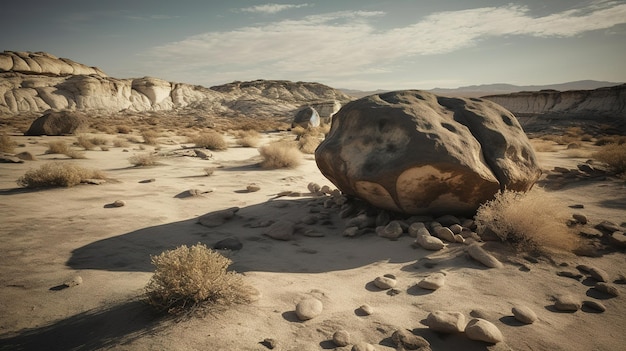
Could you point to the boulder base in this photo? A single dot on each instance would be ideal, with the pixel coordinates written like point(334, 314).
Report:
point(419, 153)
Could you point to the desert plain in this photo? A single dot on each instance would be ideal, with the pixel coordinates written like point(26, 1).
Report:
point(75, 266)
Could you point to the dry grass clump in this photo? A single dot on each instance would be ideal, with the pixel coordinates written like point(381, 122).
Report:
point(123, 129)
point(143, 160)
point(210, 140)
point(541, 145)
point(194, 279)
point(55, 174)
point(84, 142)
point(611, 139)
point(280, 154)
point(120, 143)
point(7, 144)
point(57, 147)
point(614, 155)
point(150, 137)
point(532, 221)
point(308, 143)
point(248, 138)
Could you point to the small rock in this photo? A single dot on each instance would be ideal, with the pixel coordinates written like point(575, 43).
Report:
point(607, 288)
point(383, 218)
point(312, 233)
point(599, 274)
point(594, 305)
point(363, 346)
point(447, 220)
point(446, 322)
point(577, 206)
point(314, 188)
point(433, 281)
point(385, 282)
point(309, 308)
point(350, 231)
point(483, 330)
point(75, 281)
point(151, 180)
point(366, 309)
point(325, 189)
point(456, 228)
point(26, 156)
point(253, 187)
point(8, 158)
point(94, 181)
point(445, 233)
point(361, 221)
point(232, 244)
point(270, 343)
point(580, 218)
point(429, 242)
point(568, 274)
point(479, 254)
point(459, 238)
point(341, 338)
point(524, 314)
point(406, 340)
point(589, 232)
point(203, 154)
point(281, 230)
point(119, 203)
point(618, 239)
point(565, 302)
point(217, 218)
point(392, 231)
point(608, 226)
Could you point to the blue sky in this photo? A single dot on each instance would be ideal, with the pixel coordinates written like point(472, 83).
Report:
point(357, 44)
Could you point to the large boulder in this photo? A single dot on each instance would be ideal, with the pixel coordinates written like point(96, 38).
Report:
point(58, 123)
point(306, 117)
point(419, 153)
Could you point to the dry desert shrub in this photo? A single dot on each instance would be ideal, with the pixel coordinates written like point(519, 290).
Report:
point(7, 144)
point(280, 154)
point(308, 143)
point(611, 139)
point(57, 147)
point(54, 174)
point(123, 129)
point(248, 138)
point(194, 279)
point(143, 160)
point(532, 221)
point(150, 137)
point(74, 154)
point(614, 155)
point(120, 143)
point(541, 145)
point(84, 142)
point(210, 140)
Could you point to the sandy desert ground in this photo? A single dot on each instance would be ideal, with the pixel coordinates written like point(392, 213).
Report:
point(52, 236)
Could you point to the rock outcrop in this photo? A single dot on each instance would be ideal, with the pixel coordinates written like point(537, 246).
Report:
point(307, 117)
point(419, 153)
point(602, 106)
point(58, 123)
point(32, 83)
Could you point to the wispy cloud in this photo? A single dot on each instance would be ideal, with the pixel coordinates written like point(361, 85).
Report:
point(341, 44)
point(272, 8)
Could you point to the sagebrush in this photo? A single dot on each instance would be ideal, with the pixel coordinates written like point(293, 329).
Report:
point(210, 140)
point(194, 279)
point(532, 221)
point(614, 155)
point(280, 154)
point(143, 160)
point(58, 174)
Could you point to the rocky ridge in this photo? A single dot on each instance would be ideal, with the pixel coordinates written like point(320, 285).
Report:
point(31, 83)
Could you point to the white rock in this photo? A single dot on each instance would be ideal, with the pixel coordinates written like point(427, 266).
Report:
point(433, 281)
point(309, 308)
point(483, 330)
point(446, 322)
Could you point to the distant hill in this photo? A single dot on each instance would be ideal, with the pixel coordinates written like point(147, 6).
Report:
point(499, 88)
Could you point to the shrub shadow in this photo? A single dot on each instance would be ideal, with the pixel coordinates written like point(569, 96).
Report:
point(89, 330)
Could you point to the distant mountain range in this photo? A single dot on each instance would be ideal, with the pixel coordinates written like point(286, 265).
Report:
point(500, 88)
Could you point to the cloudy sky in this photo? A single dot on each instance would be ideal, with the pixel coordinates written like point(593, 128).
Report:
point(357, 44)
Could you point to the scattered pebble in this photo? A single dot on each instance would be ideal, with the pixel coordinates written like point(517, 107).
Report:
point(580, 218)
point(608, 226)
point(341, 338)
point(405, 340)
point(433, 281)
point(281, 230)
point(569, 274)
point(350, 231)
point(479, 254)
point(309, 308)
point(456, 228)
point(444, 233)
point(385, 282)
point(577, 206)
point(253, 187)
point(607, 288)
point(589, 232)
point(363, 346)
point(366, 309)
point(119, 203)
point(314, 188)
point(524, 314)
point(594, 305)
point(618, 239)
point(599, 274)
point(483, 330)
point(270, 343)
point(565, 302)
point(392, 231)
point(446, 322)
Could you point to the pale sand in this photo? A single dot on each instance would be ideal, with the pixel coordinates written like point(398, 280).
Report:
point(50, 236)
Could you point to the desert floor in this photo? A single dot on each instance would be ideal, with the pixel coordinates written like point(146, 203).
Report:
point(52, 236)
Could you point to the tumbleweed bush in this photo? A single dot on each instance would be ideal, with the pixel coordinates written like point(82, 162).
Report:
point(193, 279)
point(55, 174)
